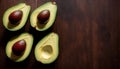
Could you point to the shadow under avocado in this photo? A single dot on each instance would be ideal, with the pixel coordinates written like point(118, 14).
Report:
point(11, 64)
point(38, 65)
point(38, 35)
point(15, 65)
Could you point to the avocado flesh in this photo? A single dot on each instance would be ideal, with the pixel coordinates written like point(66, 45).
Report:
point(47, 50)
point(29, 41)
point(24, 8)
point(52, 7)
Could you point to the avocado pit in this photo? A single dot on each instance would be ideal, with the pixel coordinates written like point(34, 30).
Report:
point(43, 16)
point(19, 47)
point(15, 17)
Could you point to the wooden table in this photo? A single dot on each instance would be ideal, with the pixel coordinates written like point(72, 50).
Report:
point(89, 32)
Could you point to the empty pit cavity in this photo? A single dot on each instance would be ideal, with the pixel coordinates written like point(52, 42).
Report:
point(47, 51)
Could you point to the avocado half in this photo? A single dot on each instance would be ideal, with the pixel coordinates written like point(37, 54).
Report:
point(52, 7)
point(21, 6)
point(29, 42)
point(46, 51)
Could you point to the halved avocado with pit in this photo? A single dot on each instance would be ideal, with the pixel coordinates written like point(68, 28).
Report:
point(44, 16)
point(18, 14)
point(47, 50)
point(19, 47)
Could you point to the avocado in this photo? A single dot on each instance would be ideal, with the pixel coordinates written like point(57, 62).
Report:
point(16, 16)
point(19, 47)
point(46, 50)
point(44, 16)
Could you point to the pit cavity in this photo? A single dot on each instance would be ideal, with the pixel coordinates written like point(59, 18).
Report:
point(47, 51)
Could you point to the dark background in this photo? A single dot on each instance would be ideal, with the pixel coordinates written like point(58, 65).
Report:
point(89, 32)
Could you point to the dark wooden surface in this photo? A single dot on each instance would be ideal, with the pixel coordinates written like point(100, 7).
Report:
point(89, 33)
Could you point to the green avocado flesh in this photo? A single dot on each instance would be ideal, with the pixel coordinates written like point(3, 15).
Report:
point(52, 7)
point(29, 41)
point(47, 50)
point(24, 8)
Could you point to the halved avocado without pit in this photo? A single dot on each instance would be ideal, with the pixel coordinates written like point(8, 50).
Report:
point(16, 16)
point(44, 16)
point(47, 50)
point(19, 47)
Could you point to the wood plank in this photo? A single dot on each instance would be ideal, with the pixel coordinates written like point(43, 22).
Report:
point(89, 33)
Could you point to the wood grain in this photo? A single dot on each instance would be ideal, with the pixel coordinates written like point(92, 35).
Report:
point(89, 32)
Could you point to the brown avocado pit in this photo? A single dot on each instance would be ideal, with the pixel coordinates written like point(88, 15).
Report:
point(19, 47)
point(15, 17)
point(43, 16)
